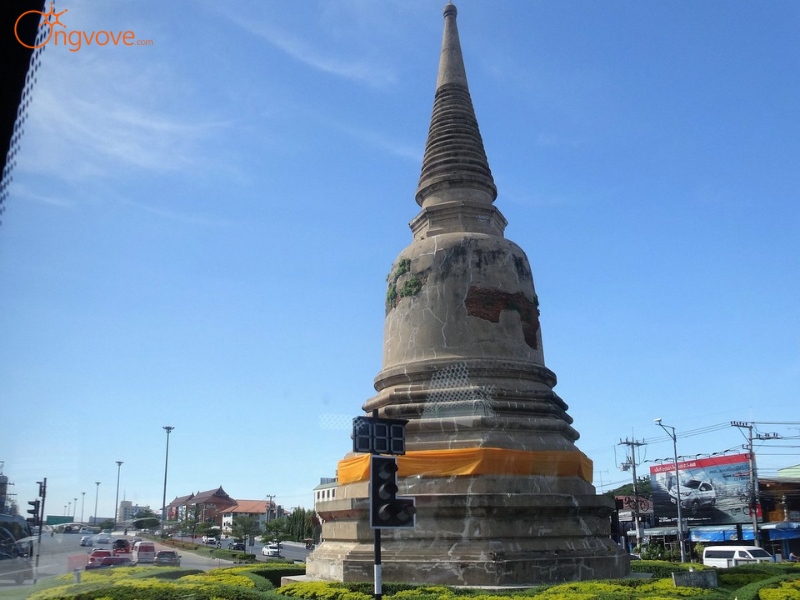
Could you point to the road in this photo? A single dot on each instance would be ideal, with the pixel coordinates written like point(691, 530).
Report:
point(289, 550)
point(62, 553)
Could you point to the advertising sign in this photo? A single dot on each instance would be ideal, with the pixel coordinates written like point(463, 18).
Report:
point(713, 491)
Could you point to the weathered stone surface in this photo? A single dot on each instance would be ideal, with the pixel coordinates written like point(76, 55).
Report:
point(476, 531)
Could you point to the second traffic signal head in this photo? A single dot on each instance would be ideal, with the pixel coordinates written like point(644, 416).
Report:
point(34, 511)
point(386, 509)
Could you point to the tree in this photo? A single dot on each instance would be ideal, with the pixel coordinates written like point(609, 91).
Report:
point(191, 520)
point(301, 524)
point(243, 528)
point(643, 486)
point(277, 529)
point(207, 528)
point(146, 513)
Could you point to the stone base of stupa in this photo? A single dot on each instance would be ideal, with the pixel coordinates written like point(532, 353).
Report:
point(475, 531)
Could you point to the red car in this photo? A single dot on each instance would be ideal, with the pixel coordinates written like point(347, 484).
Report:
point(110, 561)
point(96, 556)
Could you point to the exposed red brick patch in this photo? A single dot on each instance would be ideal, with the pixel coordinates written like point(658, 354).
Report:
point(489, 303)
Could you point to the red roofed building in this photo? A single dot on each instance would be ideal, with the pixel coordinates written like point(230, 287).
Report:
point(176, 510)
point(251, 508)
point(210, 505)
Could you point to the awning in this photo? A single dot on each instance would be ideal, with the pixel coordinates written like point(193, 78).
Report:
point(719, 533)
point(711, 533)
point(782, 530)
point(781, 525)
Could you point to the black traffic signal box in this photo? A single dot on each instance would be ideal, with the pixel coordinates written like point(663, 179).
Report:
point(387, 510)
point(34, 519)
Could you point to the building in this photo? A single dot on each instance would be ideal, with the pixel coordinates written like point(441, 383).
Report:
point(326, 490)
point(263, 511)
point(177, 509)
point(129, 511)
point(205, 507)
point(503, 495)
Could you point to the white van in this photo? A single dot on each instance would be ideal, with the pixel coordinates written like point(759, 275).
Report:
point(731, 556)
point(143, 552)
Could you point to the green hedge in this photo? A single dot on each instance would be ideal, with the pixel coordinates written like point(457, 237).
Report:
point(274, 572)
point(752, 590)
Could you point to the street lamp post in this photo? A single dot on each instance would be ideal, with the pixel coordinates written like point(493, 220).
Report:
point(168, 429)
point(69, 509)
point(83, 502)
point(96, 494)
point(674, 437)
point(74, 508)
point(116, 501)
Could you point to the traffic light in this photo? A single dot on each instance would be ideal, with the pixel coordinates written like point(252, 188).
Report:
point(34, 519)
point(387, 510)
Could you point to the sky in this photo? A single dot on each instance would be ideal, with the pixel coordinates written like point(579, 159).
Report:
point(201, 224)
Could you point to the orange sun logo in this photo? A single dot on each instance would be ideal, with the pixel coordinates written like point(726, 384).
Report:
point(45, 21)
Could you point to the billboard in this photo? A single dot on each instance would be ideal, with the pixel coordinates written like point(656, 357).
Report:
point(713, 491)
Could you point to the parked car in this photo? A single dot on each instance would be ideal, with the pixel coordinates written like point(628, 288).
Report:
point(120, 546)
point(143, 552)
point(109, 561)
point(14, 567)
point(97, 555)
point(167, 558)
point(732, 556)
point(695, 494)
point(86, 540)
point(271, 550)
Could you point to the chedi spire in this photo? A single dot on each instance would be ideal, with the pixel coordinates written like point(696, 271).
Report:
point(454, 165)
point(503, 495)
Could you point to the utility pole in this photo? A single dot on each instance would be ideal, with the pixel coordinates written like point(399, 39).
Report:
point(674, 436)
point(630, 463)
point(96, 494)
point(168, 429)
point(269, 506)
point(116, 500)
point(755, 501)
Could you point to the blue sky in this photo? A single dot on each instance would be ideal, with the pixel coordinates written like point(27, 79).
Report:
point(199, 230)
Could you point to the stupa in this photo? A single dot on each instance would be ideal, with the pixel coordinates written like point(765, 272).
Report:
point(503, 495)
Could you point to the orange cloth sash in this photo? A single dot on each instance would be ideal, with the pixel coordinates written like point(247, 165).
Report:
point(475, 461)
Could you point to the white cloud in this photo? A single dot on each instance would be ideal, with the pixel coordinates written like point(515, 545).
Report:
point(322, 59)
point(93, 118)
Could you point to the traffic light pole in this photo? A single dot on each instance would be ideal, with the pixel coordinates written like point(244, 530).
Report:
point(43, 494)
point(378, 574)
point(378, 577)
point(378, 437)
